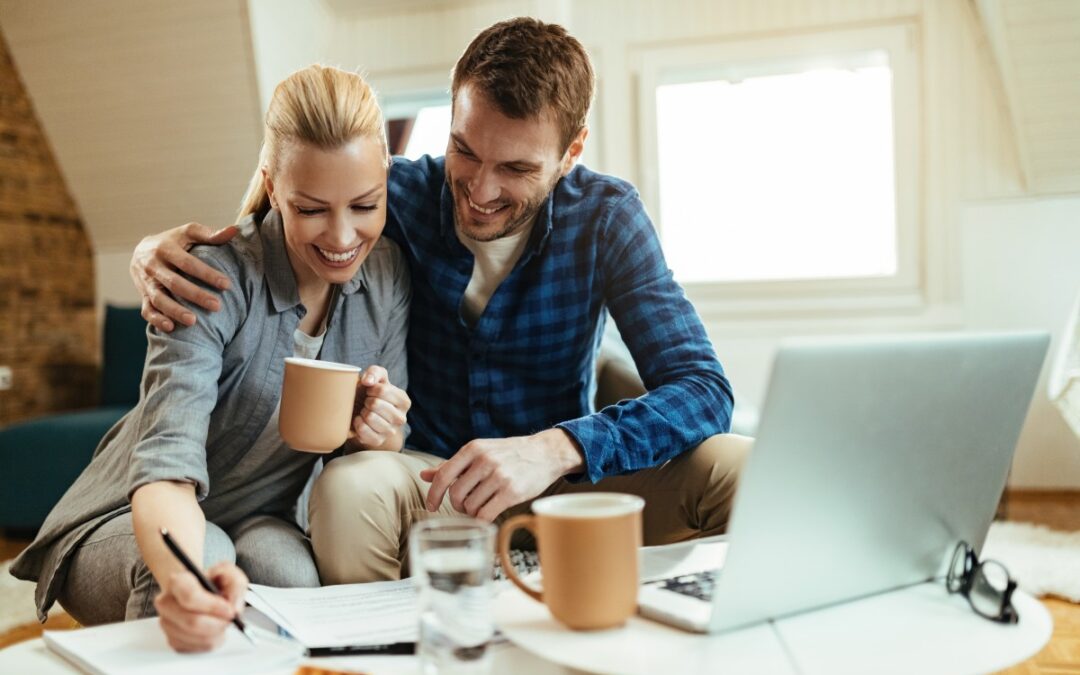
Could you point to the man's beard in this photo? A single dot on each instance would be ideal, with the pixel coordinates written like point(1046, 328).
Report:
point(522, 215)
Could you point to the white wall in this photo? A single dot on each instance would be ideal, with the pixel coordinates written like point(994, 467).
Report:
point(1022, 272)
point(111, 276)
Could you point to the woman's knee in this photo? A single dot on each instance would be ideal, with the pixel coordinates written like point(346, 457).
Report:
point(274, 552)
point(101, 577)
point(107, 575)
point(217, 546)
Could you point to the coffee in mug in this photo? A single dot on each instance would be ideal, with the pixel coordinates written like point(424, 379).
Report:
point(317, 404)
point(588, 547)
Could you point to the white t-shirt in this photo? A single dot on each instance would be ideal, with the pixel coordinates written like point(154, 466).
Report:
point(494, 261)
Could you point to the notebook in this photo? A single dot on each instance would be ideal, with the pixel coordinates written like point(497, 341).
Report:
point(140, 647)
point(326, 617)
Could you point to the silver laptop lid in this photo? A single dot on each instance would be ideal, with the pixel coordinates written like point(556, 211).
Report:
point(873, 458)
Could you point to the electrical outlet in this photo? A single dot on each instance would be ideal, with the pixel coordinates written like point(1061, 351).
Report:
point(5, 378)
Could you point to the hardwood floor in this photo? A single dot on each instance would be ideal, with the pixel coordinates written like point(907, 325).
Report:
point(1058, 510)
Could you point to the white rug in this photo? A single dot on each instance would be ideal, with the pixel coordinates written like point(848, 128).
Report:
point(16, 600)
point(1043, 561)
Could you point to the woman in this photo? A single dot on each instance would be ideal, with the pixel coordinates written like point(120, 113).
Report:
point(201, 454)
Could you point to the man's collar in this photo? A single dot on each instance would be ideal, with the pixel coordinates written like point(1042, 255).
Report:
point(542, 228)
point(280, 277)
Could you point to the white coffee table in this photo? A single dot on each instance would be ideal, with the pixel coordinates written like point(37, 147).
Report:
point(34, 657)
point(920, 629)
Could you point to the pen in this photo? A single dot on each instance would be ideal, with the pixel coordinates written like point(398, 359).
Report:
point(394, 648)
point(203, 581)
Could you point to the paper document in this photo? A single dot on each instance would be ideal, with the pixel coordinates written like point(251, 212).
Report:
point(140, 647)
point(349, 614)
point(672, 560)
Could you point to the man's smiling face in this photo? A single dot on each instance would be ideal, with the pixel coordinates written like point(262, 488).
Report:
point(499, 169)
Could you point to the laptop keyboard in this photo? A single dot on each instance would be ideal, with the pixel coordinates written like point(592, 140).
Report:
point(699, 585)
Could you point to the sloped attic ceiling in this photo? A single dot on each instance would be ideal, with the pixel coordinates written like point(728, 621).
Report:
point(1036, 44)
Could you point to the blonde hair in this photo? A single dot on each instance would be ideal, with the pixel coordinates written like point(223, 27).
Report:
point(323, 106)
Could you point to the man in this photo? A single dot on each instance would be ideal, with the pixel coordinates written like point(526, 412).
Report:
point(516, 255)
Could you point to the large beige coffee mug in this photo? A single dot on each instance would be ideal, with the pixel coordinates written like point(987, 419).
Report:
point(588, 546)
point(317, 404)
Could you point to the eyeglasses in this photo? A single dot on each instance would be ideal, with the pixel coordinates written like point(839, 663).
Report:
point(986, 584)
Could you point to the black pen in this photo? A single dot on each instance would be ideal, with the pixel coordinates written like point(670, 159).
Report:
point(203, 581)
point(394, 648)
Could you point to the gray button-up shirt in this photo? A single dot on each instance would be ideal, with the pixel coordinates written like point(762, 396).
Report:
point(209, 390)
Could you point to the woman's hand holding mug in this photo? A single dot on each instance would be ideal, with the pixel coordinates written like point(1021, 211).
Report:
point(324, 404)
point(380, 412)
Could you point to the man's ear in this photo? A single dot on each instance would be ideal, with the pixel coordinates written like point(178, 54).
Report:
point(268, 184)
point(573, 153)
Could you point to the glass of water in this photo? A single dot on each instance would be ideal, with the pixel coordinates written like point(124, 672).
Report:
point(451, 563)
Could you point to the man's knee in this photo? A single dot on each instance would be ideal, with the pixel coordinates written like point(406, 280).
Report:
point(360, 508)
point(363, 480)
point(721, 456)
point(718, 462)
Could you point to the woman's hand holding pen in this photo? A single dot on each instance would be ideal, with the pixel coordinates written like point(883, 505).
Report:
point(194, 619)
point(380, 414)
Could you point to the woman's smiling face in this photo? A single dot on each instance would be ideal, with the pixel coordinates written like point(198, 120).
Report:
point(333, 205)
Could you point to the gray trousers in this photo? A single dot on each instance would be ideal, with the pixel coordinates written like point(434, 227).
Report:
point(107, 580)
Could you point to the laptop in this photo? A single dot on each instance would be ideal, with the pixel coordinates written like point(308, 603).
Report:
point(874, 457)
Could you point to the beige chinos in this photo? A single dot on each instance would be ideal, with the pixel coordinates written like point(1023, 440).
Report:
point(364, 504)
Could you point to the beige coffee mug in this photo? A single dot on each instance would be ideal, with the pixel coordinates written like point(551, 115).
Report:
point(317, 404)
point(588, 546)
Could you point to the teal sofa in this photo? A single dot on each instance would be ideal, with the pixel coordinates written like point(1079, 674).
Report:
point(41, 457)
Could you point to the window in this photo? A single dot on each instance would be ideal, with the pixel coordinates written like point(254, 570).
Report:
point(430, 131)
point(786, 164)
point(417, 124)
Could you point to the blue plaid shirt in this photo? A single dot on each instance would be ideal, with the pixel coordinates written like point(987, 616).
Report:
point(528, 363)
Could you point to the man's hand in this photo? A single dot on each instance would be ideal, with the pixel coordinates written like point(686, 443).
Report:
point(195, 620)
point(487, 476)
point(155, 268)
point(380, 418)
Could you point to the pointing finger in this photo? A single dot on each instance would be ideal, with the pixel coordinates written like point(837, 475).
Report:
point(445, 475)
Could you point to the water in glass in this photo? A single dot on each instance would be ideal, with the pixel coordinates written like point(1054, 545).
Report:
point(452, 565)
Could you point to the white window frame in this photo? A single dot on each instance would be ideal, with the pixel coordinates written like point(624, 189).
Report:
point(403, 94)
point(903, 292)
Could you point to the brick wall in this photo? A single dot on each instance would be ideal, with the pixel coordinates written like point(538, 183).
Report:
point(48, 331)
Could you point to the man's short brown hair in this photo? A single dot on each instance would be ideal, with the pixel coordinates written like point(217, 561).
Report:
point(529, 68)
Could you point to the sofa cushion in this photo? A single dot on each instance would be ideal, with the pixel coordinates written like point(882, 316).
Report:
point(40, 458)
point(123, 354)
